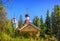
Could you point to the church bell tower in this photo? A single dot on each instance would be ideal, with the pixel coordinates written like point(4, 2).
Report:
point(15, 22)
point(27, 21)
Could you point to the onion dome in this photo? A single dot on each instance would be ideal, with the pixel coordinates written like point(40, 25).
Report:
point(27, 15)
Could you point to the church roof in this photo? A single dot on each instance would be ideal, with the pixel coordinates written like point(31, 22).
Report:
point(30, 24)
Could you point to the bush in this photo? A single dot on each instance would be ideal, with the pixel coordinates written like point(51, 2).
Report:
point(4, 37)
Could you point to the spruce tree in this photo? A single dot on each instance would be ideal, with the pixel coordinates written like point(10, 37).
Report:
point(56, 21)
point(36, 21)
point(48, 22)
point(41, 20)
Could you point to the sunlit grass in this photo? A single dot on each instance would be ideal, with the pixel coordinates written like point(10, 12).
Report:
point(32, 39)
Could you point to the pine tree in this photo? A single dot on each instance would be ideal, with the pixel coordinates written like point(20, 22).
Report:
point(36, 21)
point(41, 20)
point(48, 23)
point(51, 22)
point(56, 21)
point(43, 27)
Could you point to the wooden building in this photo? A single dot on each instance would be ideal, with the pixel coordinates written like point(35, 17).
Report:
point(30, 28)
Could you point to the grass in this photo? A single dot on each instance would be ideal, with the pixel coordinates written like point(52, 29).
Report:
point(32, 39)
point(5, 37)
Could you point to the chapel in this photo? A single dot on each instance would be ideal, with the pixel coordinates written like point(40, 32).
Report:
point(28, 27)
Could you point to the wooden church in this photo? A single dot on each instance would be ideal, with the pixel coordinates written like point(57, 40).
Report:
point(28, 27)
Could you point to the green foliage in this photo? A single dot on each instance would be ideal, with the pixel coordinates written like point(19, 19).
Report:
point(41, 20)
point(48, 23)
point(43, 32)
point(36, 21)
point(56, 21)
point(3, 18)
point(6, 28)
point(4, 37)
point(26, 35)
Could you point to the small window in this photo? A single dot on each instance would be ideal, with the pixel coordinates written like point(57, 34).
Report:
point(29, 28)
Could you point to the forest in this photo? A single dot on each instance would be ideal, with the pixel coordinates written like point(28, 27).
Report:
point(50, 27)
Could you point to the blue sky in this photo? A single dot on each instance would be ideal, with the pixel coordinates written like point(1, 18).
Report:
point(36, 8)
